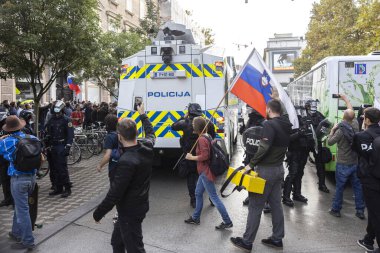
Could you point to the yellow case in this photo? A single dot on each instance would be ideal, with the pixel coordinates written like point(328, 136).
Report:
point(251, 182)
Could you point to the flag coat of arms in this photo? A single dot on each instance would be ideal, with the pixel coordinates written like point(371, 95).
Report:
point(254, 83)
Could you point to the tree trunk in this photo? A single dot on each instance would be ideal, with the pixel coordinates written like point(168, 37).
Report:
point(37, 115)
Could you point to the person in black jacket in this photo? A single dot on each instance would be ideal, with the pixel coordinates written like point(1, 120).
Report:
point(316, 118)
point(129, 189)
point(187, 142)
point(369, 174)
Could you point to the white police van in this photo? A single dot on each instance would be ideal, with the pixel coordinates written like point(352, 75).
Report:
point(170, 74)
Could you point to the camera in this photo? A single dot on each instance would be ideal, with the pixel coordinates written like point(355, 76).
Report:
point(335, 96)
point(166, 53)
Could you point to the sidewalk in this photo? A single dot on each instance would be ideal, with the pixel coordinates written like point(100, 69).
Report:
point(87, 185)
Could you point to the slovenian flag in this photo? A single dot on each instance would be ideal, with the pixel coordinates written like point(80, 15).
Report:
point(72, 84)
point(253, 86)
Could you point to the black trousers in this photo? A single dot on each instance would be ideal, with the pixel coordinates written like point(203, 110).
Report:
point(59, 173)
point(296, 164)
point(6, 184)
point(321, 173)
point(371, 198)
point(127, 235)
point(192, 179)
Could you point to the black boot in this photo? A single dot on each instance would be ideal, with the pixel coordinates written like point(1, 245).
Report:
point(66, 193)
point(56, 191)
point(287, 201)
point(192, 202)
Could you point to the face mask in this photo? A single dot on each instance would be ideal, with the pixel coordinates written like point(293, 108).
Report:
point(56, 110)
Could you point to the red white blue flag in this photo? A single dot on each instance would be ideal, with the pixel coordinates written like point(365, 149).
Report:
point(72, 84)
point(253, 86)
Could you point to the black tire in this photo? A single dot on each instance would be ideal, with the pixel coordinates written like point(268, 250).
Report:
point(74, 155)
point(44, 169)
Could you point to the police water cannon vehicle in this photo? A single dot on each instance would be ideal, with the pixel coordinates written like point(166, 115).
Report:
point(171, 73)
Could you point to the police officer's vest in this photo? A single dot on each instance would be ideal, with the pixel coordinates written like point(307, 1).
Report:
point(251, 139)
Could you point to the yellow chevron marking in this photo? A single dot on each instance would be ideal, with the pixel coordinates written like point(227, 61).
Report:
point(196, 70)
point(180, 67)
point(213, 67)
point(142, 70)
point(157, 67)
point(207, 73)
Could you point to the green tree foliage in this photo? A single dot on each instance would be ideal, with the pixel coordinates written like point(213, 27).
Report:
point(209, 36)
point(369, 23)
point(150, 24)
point(36, 35)
point(105, 66)
point(340, 27)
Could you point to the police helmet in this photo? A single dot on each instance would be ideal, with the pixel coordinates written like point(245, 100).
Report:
point(58, 107)
point(194, 109)
point(26, 115)
point(312, 105)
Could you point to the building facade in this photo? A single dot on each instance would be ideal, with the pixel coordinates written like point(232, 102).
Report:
point(280, 53)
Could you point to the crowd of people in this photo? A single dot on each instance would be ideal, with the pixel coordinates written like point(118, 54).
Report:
point(130, 161)
point(21, 151)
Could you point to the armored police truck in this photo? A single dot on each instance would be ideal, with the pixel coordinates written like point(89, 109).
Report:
point(170, 74)
point(358, 77)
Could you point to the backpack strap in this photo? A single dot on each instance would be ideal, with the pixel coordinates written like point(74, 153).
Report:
point(228, 181)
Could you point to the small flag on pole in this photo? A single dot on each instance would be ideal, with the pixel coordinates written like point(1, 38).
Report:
point(72, 84)
point(253, 86)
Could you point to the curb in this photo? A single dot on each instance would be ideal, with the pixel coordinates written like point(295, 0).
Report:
point(61, 223)
point(50, 230)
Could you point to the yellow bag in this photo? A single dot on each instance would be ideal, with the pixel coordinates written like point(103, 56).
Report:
point(250, 181)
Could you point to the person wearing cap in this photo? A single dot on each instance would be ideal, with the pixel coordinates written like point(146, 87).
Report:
point(22, 184)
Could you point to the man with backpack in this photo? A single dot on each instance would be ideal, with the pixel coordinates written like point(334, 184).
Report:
point(367, 146)
point(24, 155)
point(342, 134)
point(208, 168)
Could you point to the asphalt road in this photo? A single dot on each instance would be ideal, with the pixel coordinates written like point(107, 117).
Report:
point(309, 228)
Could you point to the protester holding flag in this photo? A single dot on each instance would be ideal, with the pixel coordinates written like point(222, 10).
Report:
point(256, 86)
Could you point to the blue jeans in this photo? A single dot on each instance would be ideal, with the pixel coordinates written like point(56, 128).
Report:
point(202, 185)
point(21, 187)
point(344, 173)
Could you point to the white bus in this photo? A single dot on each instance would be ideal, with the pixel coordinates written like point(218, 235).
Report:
point(358, 77)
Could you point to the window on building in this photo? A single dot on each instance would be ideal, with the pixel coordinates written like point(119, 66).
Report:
point(142, 9)
point(113, 25)
point(129, 5)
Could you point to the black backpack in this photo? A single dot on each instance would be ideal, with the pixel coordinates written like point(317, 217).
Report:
point(218, 159)
point(27, 153)
point(375, 155)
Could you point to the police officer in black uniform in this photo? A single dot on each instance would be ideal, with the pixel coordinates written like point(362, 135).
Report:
point(316, 118)
point(301, 143)
point(187, 142)
point(60, 133)
point(251, 135)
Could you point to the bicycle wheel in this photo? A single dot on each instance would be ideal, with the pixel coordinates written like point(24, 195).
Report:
point(97, 147)
point(85, 144)
point(44, 169)
point(74, 154)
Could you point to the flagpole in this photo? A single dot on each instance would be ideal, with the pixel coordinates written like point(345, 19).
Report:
point(221, 101)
